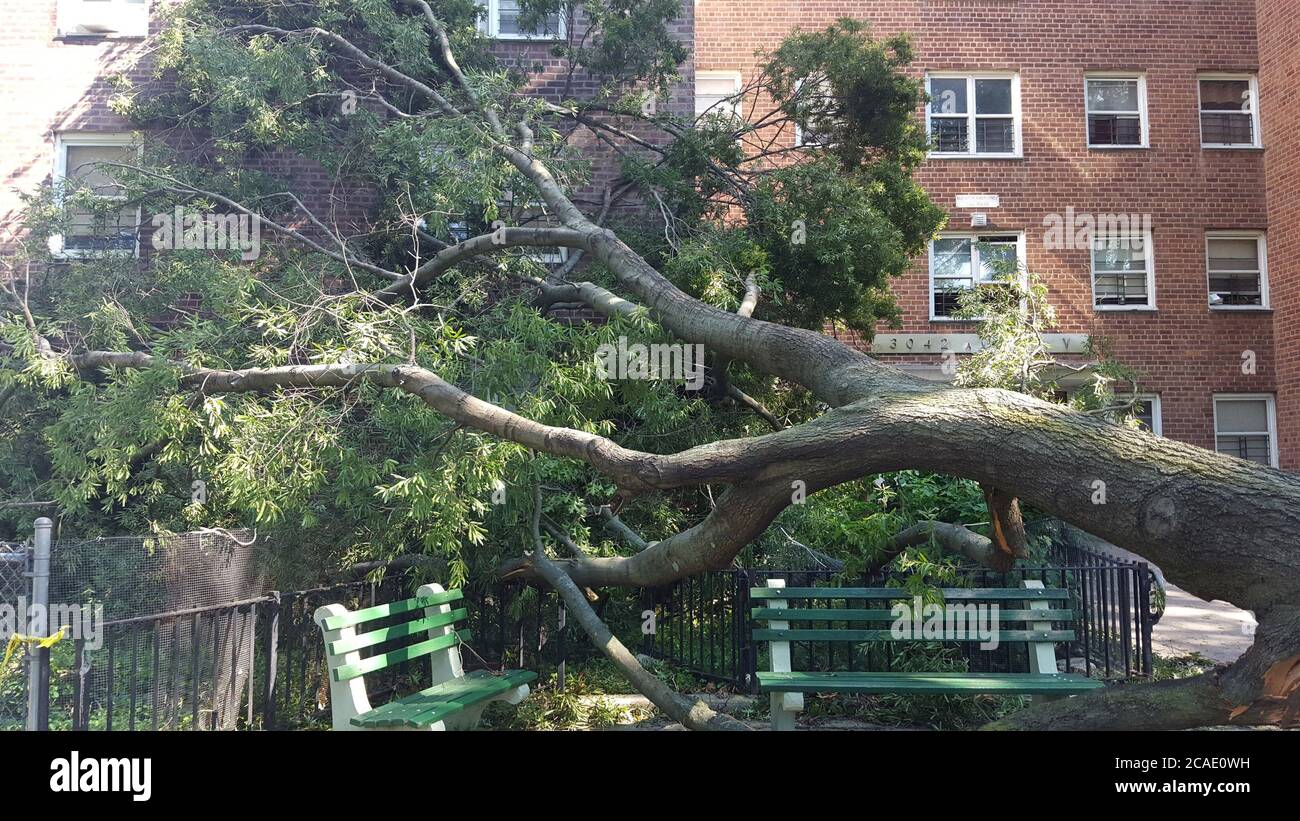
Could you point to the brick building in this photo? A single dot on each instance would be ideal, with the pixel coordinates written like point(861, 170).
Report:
point(1173, 122)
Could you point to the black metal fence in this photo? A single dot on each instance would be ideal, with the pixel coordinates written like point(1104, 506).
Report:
point(259, 663)
point(703, 623)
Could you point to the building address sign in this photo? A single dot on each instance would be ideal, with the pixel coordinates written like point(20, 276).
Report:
point(964, 343)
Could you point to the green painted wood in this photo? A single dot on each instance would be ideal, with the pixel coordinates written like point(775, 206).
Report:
point(887, 635)
point(414, 651)
point(410, 628)
point(391, 609)
point(442, 700)
point(932, 683)
point(883, 615)
point(949, 594)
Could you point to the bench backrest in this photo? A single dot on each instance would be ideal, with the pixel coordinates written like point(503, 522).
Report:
point(425, 626)
point(1024, 614)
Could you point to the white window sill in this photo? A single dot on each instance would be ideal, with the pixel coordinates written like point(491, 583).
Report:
point(1119, 147)
point(79, 253)
point(1125, 308)
point(937, 156)
point(527, 38)
point(1231, 147)
point(1238, 308)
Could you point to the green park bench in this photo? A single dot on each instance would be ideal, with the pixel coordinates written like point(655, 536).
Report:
point(456, 699)
point(1036, 608)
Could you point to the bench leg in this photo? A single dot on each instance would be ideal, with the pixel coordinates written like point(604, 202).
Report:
point(782, 717)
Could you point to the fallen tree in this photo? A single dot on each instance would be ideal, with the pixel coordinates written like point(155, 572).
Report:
point(1219, 527)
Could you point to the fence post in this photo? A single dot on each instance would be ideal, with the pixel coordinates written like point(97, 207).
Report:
point(560, 620)
point(1144, 615)
point(38, 683)
point(749, 656)
point(272, 650)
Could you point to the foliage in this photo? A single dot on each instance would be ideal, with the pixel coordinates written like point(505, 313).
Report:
point(358, 473)
point(1013, 318)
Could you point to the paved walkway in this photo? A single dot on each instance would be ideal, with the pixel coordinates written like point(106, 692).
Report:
point(1217, 630)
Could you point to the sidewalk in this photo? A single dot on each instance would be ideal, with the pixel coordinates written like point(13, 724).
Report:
point(1217, 630)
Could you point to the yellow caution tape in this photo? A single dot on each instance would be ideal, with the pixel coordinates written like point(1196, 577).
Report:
point(17, 640)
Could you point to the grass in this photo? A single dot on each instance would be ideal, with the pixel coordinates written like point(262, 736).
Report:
point(1168, 668)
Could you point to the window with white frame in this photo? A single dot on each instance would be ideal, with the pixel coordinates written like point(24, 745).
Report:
point(817, 100)
point(1117, 111)
point(973, 115)
point(103, 18)
point(1123, 271)
point(1146, 410)
point(1245, 426)
point(1237, 266)
point(1229, 111)
point(715, 93)
point(501, 21)
point(961, 262)
point(82, 164)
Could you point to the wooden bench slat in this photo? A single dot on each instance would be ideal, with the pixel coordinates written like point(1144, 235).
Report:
point(436, 703)
point(391, 609)
point(949, 594)
point(414, 651)
point(927, 683)
point(397, 631)
point(887, 635)
point(862, 614)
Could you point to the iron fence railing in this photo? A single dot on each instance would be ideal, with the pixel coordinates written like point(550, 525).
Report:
point(259, 663)
point(703, 624)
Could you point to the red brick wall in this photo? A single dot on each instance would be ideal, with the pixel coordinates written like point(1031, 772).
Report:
point(47, 86)
point(1186, 351)
point(1279, 54)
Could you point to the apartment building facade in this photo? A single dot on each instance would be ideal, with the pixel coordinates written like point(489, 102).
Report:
point(1167, 127)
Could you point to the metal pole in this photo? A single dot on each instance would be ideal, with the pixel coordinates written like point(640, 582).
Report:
point(38, 667)
point(562, 678)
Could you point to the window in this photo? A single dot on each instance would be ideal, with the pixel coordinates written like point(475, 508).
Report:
point(715, 93)
point(959, 263)
point(1146, 410)
point(1123, 271)
point(103, 18)
point(1245, 426)
point(1117, 109)
point(818, 100)
point(976, 116)
point(526, 213)
point(501, 21)
point(76, 167)
point(1229, 111)
point(1238, 270)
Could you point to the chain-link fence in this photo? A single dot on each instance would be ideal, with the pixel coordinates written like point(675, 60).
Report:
point(14, 594)
point(166, 629)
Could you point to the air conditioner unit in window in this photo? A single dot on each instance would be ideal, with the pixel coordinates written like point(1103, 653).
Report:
point(98, 18)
